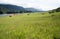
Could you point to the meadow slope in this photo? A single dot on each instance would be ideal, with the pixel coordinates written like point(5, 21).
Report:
point(30, 26)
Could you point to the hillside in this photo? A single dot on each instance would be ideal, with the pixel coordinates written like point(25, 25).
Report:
point(33, 9)
point(7, 8)
point(54, 10)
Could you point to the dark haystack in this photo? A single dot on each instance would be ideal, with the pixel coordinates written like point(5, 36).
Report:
point(56, 38)
point(28, 14)
point(10, 16)
point(52, 15)
point(43, 13)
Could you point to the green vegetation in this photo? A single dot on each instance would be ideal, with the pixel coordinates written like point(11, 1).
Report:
point(30, 26)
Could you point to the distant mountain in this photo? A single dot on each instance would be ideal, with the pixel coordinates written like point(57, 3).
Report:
point(10, 8)
point(33, 9)
point(54, 10)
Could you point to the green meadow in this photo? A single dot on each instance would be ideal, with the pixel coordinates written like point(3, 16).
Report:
point(30, 26)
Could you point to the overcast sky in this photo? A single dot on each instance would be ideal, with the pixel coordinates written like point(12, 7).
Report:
point(40, 4)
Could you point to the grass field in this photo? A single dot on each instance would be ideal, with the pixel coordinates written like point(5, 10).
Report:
point(30, 26)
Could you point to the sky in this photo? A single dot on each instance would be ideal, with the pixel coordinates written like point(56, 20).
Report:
point(39, 4)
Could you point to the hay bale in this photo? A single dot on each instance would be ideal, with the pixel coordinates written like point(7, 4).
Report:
point(28, 14)
point(10, 15)
point(52, 15)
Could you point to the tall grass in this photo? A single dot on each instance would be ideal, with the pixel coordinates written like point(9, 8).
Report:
point(32, 26)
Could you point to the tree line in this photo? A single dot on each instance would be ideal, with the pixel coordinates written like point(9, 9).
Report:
point(55, 10)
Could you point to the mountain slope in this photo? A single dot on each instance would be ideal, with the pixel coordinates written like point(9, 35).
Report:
point(11, 8)
point(33, 9)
